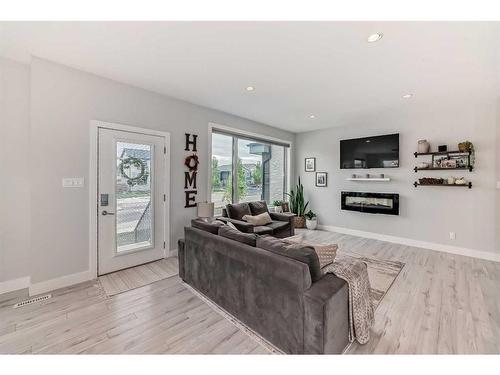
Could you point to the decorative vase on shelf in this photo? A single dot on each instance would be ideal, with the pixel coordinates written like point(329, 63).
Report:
point(423, 146)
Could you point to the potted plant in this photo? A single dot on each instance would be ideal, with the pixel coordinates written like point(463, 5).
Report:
point(311, 220)
point(298, 205)
point(277, 206)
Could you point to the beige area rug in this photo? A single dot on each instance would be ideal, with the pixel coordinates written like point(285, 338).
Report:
point(382, 274)
point(136, 277)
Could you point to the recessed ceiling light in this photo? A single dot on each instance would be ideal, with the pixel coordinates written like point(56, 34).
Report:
point(250, 88)
point(374, 37)
point(312, 117)
point(407, 96)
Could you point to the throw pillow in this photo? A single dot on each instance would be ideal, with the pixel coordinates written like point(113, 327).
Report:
point(211, 227)
point(236, 235)
point(326, 252)
point(262, 219)
point(231, 225)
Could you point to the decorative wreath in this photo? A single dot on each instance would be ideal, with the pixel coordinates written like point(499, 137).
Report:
point(192, 162)
point(142, 178)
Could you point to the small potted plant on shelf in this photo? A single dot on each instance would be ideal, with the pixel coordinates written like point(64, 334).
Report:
point(311, 220)
point(277, 206)
point(298, 205)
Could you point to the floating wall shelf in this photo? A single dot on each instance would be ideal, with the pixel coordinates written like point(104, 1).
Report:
point(469, 168)
point(468, 185)
point(417, 154)
point(369, 179)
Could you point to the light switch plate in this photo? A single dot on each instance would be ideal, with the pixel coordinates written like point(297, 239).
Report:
point(73, 182)
point(498, 184)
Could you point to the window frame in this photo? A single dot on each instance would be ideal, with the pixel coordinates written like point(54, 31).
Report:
point(242, 134)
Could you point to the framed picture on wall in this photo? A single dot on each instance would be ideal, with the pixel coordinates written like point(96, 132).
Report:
point(310, 164)
point(321, 179)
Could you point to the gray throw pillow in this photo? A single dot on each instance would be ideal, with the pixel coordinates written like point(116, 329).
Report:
point(211, 227)
point(304, 254)
point(236, 235)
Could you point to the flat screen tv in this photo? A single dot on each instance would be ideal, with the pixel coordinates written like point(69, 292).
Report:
point(381, 151)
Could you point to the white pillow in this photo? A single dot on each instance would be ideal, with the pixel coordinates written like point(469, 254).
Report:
point(231, 225)
point(261, 219)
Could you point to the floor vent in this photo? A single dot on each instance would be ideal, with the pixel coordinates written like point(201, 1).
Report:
point(33, 300)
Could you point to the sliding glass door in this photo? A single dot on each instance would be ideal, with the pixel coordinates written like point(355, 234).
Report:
point(246, 169)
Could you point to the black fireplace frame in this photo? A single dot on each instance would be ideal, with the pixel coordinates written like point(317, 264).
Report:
point(367, 209)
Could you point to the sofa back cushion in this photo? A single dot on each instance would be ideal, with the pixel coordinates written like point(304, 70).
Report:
point(304, 254)
point(234, 234)
point(238, 210)
point(211, 227)
point(258, 207)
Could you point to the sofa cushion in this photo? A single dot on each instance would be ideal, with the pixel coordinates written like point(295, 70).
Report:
point(262, 229)
point(278, 225)
point(258, 207)
point(236, 235)
point(238, 210)
point(261, 219)
point(304, 254)
point(212, 227)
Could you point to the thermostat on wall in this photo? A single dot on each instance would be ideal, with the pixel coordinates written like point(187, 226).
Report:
point(73, 182)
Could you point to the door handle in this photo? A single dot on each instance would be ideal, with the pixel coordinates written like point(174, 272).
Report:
point(104, 213)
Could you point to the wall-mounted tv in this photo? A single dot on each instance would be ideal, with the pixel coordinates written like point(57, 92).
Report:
point(381, 151)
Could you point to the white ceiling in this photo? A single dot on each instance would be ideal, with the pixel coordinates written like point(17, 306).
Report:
point(298, 68)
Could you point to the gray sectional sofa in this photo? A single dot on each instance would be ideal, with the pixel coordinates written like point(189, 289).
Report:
point(278, 292)
point(281, 226)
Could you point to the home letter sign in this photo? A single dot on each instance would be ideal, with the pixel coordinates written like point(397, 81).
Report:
point(191, 162)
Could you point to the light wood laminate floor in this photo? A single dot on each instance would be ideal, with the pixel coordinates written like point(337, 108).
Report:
point(440, 303)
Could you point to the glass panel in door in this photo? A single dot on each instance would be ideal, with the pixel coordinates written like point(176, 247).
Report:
point(134, 218)
point(222, 166)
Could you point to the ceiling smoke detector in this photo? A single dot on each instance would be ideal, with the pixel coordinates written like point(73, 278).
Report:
point(374, 37)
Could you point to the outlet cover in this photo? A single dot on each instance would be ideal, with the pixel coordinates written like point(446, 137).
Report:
point(73, 182)
point(453, 236)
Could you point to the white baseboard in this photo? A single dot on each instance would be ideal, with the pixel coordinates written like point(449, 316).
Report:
point(13, 285)
point(59, 282)
point(415, 243)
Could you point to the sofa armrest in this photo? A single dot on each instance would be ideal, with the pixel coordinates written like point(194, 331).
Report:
point(241, 225)
point(282, 216)
point(326, 316)
point(180, 256)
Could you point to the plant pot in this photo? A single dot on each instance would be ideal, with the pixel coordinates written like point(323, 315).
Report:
point(278, 209)
point(311, 224)
point(299, 221)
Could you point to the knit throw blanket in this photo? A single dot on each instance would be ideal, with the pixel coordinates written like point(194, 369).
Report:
point(361, 311)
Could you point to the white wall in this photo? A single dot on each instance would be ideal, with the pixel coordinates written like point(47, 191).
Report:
point(14, 174)
point(426, 213)
point(63, 101)
point(498, 178)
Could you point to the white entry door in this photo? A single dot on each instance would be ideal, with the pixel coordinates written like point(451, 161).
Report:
point(131, 199)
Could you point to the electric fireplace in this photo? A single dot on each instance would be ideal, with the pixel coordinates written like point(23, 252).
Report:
point(372, 203)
